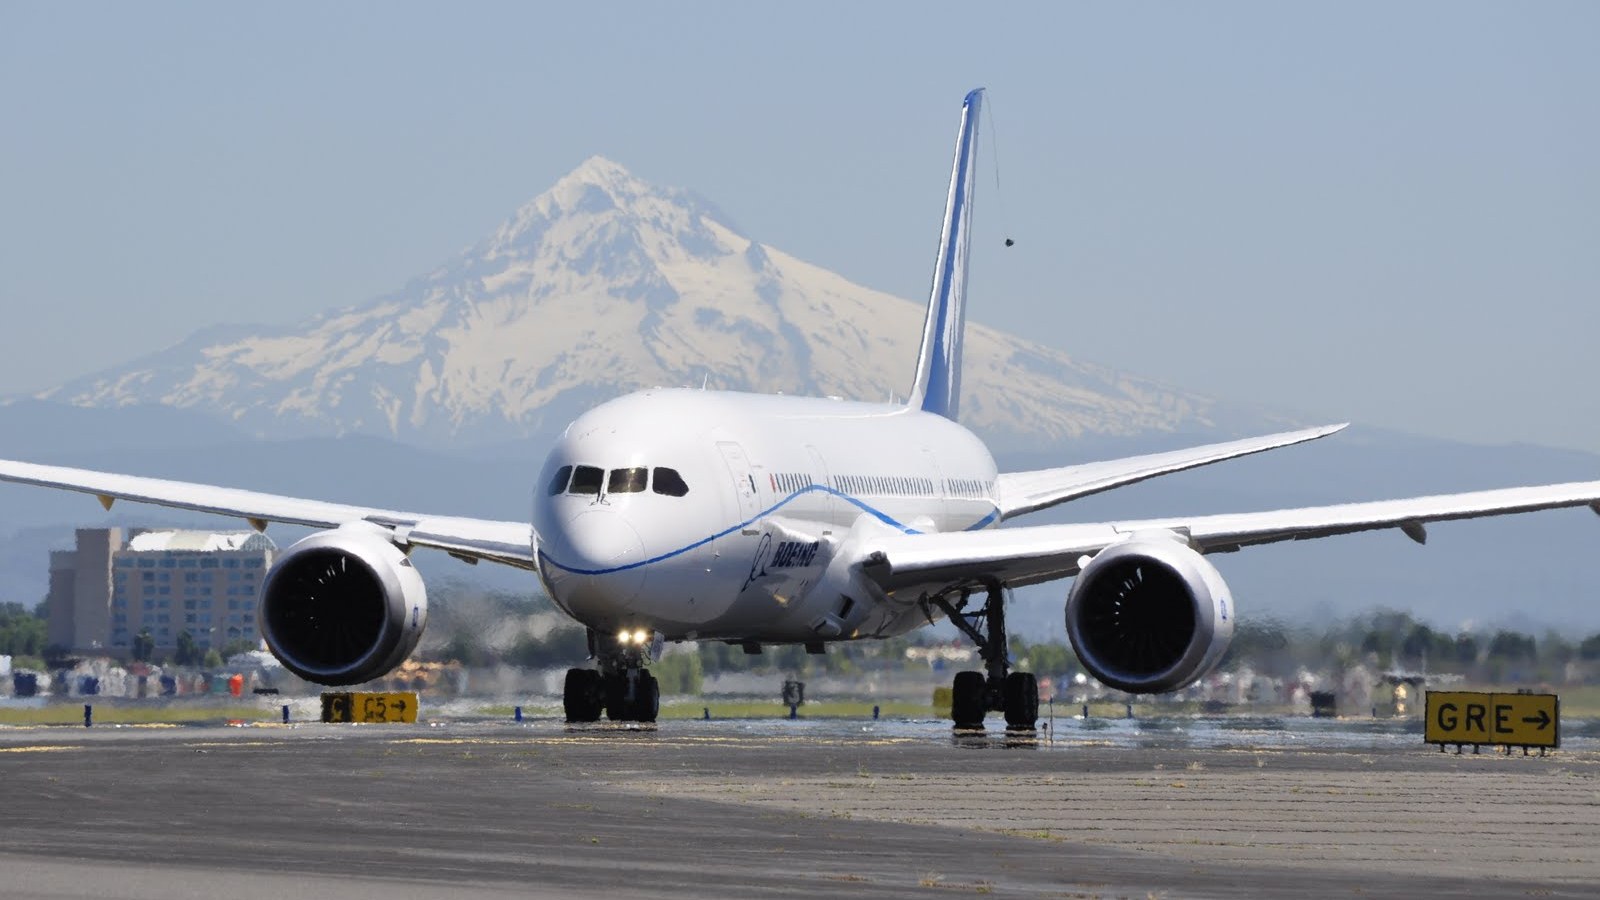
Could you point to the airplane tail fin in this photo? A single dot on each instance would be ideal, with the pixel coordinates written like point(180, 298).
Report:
point(937, 388)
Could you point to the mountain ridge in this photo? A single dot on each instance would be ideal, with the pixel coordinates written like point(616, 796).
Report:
point(603, 284)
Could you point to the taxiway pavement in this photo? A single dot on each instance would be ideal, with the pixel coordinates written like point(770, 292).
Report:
point(724, 809)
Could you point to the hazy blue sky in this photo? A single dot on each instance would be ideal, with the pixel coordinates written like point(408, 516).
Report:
point(1383, 212)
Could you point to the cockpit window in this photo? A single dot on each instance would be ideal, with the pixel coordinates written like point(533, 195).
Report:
point(627, 481)
point(669, 482)
point(586, 480)
point(559, 482)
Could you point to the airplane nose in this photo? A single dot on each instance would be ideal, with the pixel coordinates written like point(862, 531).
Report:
point(601, 540)
point(602, 560)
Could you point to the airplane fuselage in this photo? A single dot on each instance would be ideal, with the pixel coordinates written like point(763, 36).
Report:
point(706, 514)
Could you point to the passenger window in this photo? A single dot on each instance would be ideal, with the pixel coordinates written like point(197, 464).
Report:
point(586, 480)
point(559, 482)
point(669, 482)
point(627, 481)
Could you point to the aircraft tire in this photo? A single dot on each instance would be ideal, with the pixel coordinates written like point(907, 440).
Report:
point(615, 691)
point(967, 706)
point(1022, 700)
point(580, 695)
point(646, 698)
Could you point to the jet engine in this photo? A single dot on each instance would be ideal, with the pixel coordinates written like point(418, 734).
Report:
point(1149, 615)
point(343, 606)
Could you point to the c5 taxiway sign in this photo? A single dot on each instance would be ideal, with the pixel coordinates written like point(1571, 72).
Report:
point(369, 708)
point(1473, 717)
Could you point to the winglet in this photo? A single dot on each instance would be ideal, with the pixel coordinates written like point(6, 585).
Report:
point(937, 388)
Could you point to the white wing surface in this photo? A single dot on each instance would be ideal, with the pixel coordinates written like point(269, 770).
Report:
point(1030, 555)
point(509, 543)
point(1025, 492)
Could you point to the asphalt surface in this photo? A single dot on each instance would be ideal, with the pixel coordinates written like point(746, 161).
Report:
point(776, 809)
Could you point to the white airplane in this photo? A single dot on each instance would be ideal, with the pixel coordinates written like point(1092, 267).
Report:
point(684, 515)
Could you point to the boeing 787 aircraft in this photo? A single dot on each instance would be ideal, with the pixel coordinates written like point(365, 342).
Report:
point(695, 515)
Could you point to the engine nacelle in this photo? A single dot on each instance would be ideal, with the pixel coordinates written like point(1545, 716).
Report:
point(1149, 615)
point(343, 606)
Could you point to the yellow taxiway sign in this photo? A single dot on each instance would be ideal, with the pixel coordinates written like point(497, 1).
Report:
point(372, 708)
point(1477, 717)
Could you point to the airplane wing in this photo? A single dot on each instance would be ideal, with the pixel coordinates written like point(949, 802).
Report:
point(1025, 492)
point(1029, 555)
point(508, 543)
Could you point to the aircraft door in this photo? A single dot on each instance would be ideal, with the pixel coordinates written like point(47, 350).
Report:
point(745, 491)
point(938, 505)
point(825, 500)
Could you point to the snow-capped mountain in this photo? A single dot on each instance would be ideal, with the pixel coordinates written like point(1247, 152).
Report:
point(601, 285)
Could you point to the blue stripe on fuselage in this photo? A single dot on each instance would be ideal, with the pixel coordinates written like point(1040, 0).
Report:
point(867, 508)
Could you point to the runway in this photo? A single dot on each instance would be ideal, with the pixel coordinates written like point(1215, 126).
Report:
point(740, 809)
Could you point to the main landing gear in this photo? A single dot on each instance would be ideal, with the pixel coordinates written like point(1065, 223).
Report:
point(974, 694)
point(622, 688)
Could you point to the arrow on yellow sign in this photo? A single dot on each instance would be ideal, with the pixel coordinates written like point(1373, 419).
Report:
point(1478, 717)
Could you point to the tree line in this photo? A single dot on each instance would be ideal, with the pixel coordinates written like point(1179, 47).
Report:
point(23, 633)
point(1393, 640)
point(478, 627)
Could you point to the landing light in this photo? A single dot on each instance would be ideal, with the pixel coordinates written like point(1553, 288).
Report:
point(636, 638)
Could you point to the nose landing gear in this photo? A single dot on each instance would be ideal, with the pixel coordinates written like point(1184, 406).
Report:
point(975, 694)
point(622, 688)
